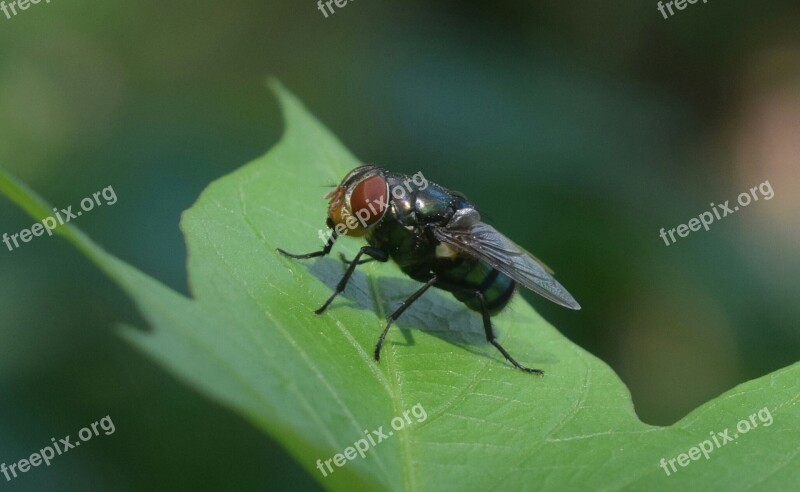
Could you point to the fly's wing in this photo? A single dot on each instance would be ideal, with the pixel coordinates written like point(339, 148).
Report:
point(466, 233)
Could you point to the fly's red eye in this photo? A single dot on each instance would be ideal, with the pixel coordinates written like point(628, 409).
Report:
point(370, 199)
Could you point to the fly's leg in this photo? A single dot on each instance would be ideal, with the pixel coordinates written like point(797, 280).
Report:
point(396, 314)
point(376, 253)
point(487, 325)
point(324, 251)
point(360, 262)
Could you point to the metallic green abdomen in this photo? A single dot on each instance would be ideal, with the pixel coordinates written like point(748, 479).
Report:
point(472, 275)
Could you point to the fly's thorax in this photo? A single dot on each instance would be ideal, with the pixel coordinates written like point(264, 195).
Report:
point(413, 204)
point(411, 247)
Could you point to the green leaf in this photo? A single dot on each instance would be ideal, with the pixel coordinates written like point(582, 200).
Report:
point(248, 339)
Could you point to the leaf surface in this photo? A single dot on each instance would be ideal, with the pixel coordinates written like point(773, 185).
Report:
point(248, 339)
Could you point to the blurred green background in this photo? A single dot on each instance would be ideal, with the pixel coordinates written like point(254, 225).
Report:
point(580, 129)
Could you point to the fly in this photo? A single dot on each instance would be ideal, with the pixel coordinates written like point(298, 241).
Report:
point(436, 237)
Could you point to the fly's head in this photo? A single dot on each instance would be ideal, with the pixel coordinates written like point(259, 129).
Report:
point(359, 202)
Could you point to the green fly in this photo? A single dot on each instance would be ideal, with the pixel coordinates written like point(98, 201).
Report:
point(436, 237)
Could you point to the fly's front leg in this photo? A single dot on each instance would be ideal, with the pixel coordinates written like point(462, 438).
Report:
point(361, 262)
point(375, 253)
point(324, 251)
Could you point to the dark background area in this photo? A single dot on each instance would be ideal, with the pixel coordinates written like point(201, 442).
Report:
point(580, 129)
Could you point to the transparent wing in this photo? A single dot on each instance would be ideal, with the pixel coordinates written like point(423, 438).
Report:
point(467, 234)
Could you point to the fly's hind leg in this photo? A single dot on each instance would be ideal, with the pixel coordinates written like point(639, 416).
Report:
point(487, 326)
